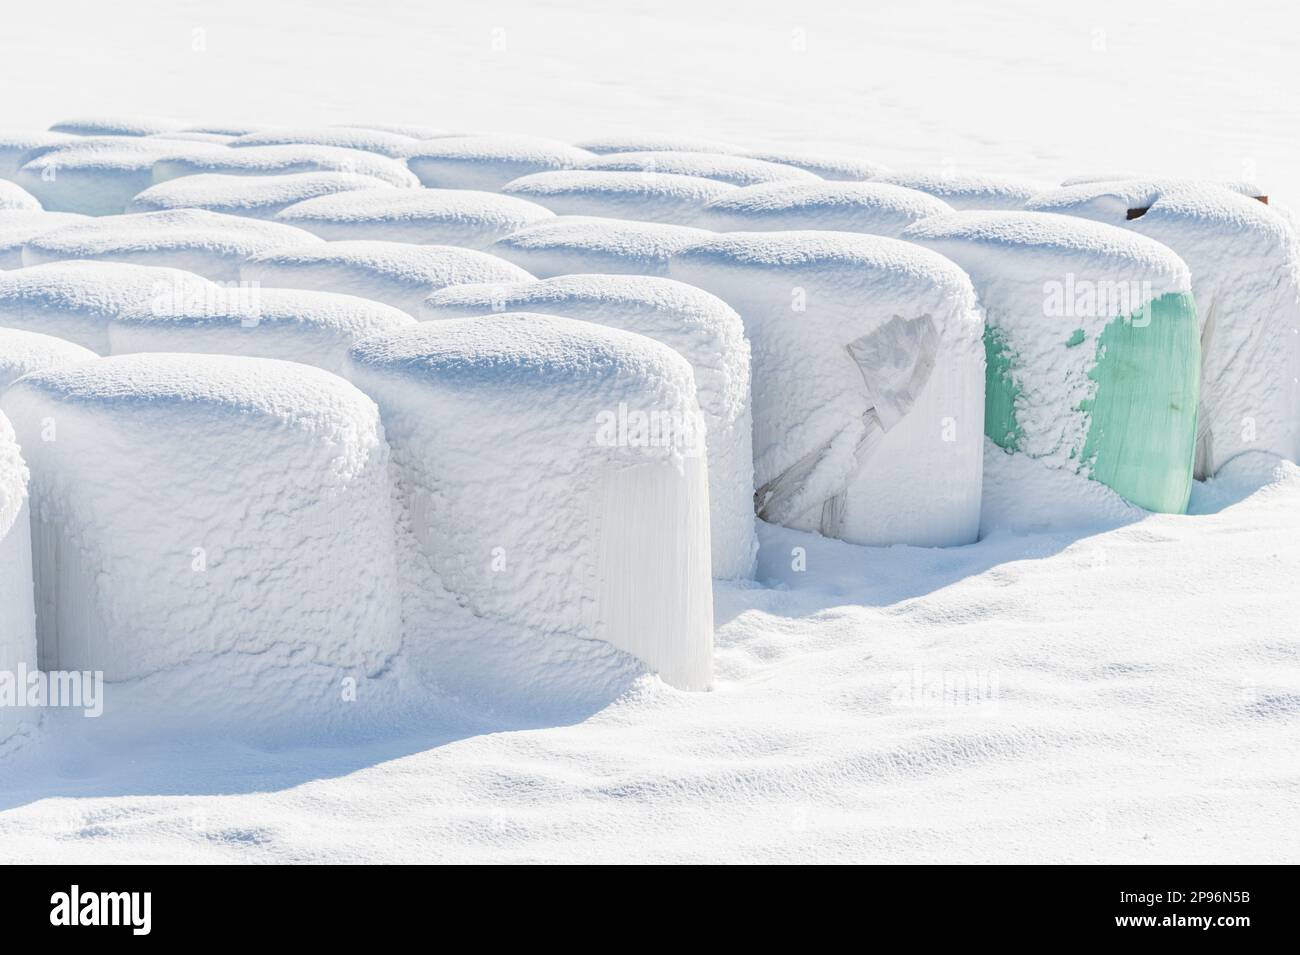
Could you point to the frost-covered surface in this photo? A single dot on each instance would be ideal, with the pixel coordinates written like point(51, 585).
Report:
point(489, 162)
point(824, 165)
point(17, 616)
point(869, 207)
point(397, 273)
point(263, 549)
point(277, 160)
point(643, 196)
point(17, 227)
point(379, 141)
point(76, 300)
point(569, 245)
point(260, 197)
point(520, 505)
point(702, 329)
point(14, 197)
point(315, 328)
point(1245, 263)
point(464, 217)
point(969, 191)
point(737, 170)
point(868, 372)
point(23, 351)
point(210, 244)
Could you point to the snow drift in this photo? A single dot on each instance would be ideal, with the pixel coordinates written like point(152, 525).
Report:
point(489, 162)
point(23, 351)
point(702, 329)
point(397, 273)
point(869, 207)
point(535, 488)
point(259, 197)
point(573, 244)
point(266, 546)
point(278, 160)
point(868, 376)
point(643, 196)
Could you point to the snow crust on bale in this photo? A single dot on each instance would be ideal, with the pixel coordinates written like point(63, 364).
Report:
point(14, 198)
point(117, 124)
point(266, 547)
point(397, 273)
point(645, 197)
point(1245, 267)
point(702, 329)
point(638, 143)
point(23, 351)
point(99, 176)
point(574, 244)
point(258, 197)
point(869, 207)
point(16, 145)
point(384, 143)
point(411, 130)
point(464, 217)
point(17, 228)
point(76, 300)
point(528, 504)
point(278, 160)
point(216, 139)
point(842, 168)
point(737, 170)
point(489, 162)
point(315, 328)
point(17, 613)
point(967, 191)
point(1244, 186)
point(868, 374)
point(1054, 289)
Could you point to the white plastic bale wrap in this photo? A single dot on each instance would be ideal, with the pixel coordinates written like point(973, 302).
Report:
point(868, 382)
point(197, 510)
point(702, 329)
point(529, 496)
point(17, 614)
point(569, 245)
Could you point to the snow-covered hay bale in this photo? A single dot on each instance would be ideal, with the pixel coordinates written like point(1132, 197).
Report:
point(267, 545)
point(279, 160)
point(1092, 344)
point(542, 469)
point(604, 145)
point(397, 273)
point(117, 124)
point(966, 191)
point(737, 170)
point(378, 141)
point(641, 196)
point(217, 139)
point(100, 176)
point(1245, 265)
point(410, 130)
point(208, 243)
point(573, 244)
point(14, 198)
point(22, 351)
point(17, 614)
point(836, 168)
point(489, 162)
point(17, 228)
point(315, 328)
point(868, 382)
point(872, 208)
point(702, 329)
point(17, 146)
point(465, 217)
point(76, 300)
point(258, 197)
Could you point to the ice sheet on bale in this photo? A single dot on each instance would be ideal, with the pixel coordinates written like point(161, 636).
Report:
point(702, 329)
point(825, 166)
point(543, 476)
point(1092, 344)
point(17, 146)
point(257, 197)
point(22, 351)
point(1245, 268)
point(17, 612)
point(868, 372)
point(17, 228)
point(397, 273)
point(394, 145)
point(489, 162)
point(872, 208)
point(315, 328)
point(218, 515)
point(574, 244)
point(641, 143)
point(76, 300)
point(117, 124)
point(464, 217)
point(279, 160)
point(208, 243)
point(14, 197)
point(99, 176)
point(642, 196)
point(737, 170)
point(968, 191)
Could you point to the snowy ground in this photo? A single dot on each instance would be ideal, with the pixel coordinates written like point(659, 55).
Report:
point(1113, 694)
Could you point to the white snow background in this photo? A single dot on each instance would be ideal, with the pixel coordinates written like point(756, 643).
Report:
point(1137, 683)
